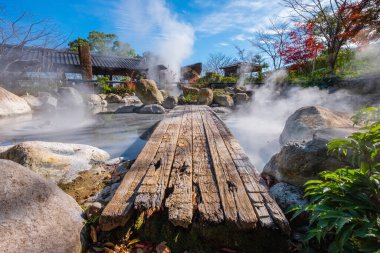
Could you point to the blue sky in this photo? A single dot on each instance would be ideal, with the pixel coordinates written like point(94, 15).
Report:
point(215, 26)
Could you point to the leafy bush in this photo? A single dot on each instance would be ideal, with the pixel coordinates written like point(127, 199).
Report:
point(103, 82)
point(191, 98)
point(345, 205)
point(212, 77)
point(366, 115)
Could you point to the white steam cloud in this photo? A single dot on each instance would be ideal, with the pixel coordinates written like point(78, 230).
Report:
point(152, 22)
point(258, 126)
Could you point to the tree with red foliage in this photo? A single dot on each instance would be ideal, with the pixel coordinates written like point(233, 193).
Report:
point(336, 21)
point(301, 47)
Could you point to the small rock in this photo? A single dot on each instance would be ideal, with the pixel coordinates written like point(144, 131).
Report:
point(170, 102)
point(224, 100)
point(240, 98)
point(93, 209)
point(152, 109)
point(127, 109)
point(69, 97)
point(221, 110)
point(114, 99)
point(288, 196)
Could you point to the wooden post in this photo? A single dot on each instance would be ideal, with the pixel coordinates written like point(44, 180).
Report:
point(85, 61)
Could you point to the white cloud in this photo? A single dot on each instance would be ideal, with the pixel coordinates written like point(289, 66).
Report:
point(222, 44)
point(241, 15)
point(241, 37)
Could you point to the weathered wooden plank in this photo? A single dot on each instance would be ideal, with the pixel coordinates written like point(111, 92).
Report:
point(152, 190)
point(118, 210)
point(179, 202)
point(206, 199)
point(265, 207)
point(236, 203)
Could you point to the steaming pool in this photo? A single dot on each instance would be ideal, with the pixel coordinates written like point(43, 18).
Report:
point(122, 134)
point(119, 134)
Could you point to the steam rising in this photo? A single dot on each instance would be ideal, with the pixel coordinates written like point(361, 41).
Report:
point(167, 37)
point(259, 126)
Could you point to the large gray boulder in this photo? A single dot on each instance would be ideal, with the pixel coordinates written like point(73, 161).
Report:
point(148, 93)
point(224, 100)
point(69, 97)
point(10, 104)
point(206, 96)
point(60, 162)
point(170, 102)
point(152, 109)
point(35, 215)
point(303, 124)
point(299, 162)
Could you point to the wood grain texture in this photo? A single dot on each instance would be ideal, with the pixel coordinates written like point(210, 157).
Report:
point(193, 166)
point(179, 202)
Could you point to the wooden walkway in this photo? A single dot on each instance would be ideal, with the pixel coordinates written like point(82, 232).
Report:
point(194, 167)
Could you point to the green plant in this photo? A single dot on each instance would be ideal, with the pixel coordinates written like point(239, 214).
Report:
point(366, 115)
point(345, 205)
point(103, 82)
point(190, 98)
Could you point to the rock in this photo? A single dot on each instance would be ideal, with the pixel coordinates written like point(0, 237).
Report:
point(103, 96)
point(128, 109)
point(152, 109)
point(187, 90)
point(164, 93)
point(132, 100)
point(206, 96)
point(104, 103)
point(92, 209)
point(288, 196)
point(69, 96)
point(302, 124)
point(10, 104)
point(229, 89)
point(148, 93)
point(224, 100)
point(60, 162)
point(35, 215)
point(49, 103)
point(181, 100)
point(221, 110)
point(114, 99)
point(170, 102)
point(94, 99)
point(240, 98)
point(34, 102)
point(240, 89)
point(297, 163)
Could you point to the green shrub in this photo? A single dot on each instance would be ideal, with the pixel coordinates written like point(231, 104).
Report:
point(345, 204)
point(103, 82)
point(366, 115)
point(191, 98)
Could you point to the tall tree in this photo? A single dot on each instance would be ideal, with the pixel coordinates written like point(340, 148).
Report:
point(217, 60)
point(332, 21)
point(272, 40)
point(104, 43)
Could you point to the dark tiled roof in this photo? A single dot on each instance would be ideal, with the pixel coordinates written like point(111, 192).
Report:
point(64, 57)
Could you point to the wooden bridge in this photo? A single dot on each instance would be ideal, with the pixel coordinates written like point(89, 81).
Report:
point(195, 168)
